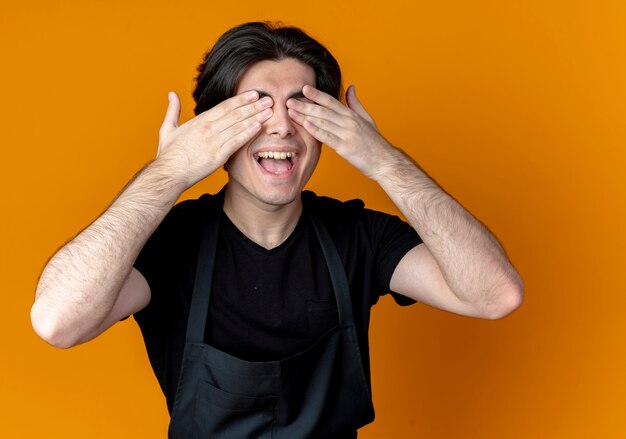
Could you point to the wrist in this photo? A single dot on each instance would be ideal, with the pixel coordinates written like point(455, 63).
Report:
point(164, 174)
point(390, 162)
point(153, 187)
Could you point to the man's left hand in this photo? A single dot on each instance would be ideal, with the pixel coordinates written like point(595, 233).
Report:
point(349, 130)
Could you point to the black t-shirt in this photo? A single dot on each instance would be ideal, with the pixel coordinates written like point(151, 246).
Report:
point(265, 304)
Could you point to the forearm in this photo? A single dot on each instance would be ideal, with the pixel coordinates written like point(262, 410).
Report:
point(464, 259)
point(472, 262)
point(82, 281)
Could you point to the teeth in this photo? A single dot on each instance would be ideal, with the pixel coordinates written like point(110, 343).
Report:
point(275, 155)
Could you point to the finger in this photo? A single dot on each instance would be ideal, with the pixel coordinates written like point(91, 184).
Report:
point(240, 131)
point(355, 104)
point(230, 104)
point(323, 123)
point(322, 129)
point(296, 116)
point(312, 109)
point(238, 135)
point(172, 114)
point(324, 99)
point(170, 121)
point(239, 114)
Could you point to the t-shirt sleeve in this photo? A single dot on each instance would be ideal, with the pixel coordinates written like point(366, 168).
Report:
point(392, 239)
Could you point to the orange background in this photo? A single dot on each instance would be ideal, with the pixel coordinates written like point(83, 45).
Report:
point(517, 108)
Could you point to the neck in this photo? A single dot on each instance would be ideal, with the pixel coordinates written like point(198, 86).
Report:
point(265, 224)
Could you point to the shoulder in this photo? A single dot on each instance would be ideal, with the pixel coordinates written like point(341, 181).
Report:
point(196, 205)
point(183, 223)
point(327, 207)
point(333, 211)
point(194, 209)
point(351, 219)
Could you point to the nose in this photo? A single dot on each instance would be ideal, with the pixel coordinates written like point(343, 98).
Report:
point(279, 124)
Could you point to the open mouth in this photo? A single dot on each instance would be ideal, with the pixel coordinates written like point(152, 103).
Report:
point(276, 162)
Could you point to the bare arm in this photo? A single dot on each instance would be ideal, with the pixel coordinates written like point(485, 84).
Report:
point(461, 267)
point(82, 282)
point(89, 284)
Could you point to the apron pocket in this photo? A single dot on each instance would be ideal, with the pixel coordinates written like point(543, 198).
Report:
point(220, 414)
point(322, 316)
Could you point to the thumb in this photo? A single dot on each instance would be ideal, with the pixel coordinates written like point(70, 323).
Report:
point(170, 121)
point(355, 105)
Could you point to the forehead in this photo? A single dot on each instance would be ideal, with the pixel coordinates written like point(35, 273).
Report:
point(276, 78)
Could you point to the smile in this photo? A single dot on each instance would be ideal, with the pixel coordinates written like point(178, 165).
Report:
point(276, 162)
point(275, 155)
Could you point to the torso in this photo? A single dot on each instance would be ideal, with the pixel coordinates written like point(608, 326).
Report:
point(269, 304)
point(369, 245)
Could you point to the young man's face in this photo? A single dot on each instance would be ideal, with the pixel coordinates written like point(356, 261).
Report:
point(252, 172)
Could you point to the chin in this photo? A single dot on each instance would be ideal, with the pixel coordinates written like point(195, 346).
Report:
point(279, 197)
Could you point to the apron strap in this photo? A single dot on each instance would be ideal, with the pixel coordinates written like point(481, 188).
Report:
point(338, 276)
point(201, 296)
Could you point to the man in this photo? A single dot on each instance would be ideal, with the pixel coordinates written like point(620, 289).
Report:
point(254, 302)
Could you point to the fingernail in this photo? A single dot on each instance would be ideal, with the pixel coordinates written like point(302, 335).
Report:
point(266, 101)
point(252, 95)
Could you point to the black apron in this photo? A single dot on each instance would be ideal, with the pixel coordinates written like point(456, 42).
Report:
point(319, 393)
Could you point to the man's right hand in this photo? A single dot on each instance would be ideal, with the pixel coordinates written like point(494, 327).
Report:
point(203, 144)
point(90, 283)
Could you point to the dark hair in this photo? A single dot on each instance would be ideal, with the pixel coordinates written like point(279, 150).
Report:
point(249, 43)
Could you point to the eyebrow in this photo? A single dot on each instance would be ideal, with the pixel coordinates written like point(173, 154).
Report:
point(295, 95)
